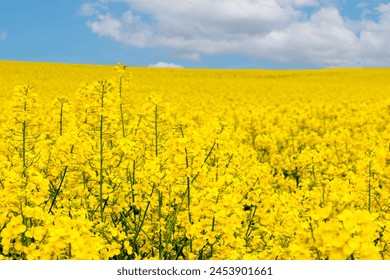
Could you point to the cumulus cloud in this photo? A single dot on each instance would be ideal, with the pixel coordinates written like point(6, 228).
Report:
point(283, 30)
point(323, 38)
point(3, 35)
point(128, 30)
point(165, 65)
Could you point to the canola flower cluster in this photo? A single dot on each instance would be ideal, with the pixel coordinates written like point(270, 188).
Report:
point(193, 164)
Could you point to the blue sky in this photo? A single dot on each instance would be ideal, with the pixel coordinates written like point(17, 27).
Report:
point(272, 34)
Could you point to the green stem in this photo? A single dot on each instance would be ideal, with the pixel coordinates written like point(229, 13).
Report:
point(314, 241)
point(188, 190)
point(207, 157)
point(141, 223)
point(24, 137)
point(24, 148)
point(188, 180)
point(58, 190)
point(160, 247)
point(248, 231)
point(101, 178)
point(121, 107)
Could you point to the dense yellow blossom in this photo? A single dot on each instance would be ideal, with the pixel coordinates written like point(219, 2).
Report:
point(101, 162)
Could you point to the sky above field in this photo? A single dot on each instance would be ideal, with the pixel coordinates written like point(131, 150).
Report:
point(273, 34)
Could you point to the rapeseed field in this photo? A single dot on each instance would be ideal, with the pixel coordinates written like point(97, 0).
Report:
point(101, 162)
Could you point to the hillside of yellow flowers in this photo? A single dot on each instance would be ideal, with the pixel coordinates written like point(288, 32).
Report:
point(117, 162)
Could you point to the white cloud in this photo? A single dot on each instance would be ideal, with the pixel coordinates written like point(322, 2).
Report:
point(3, 35)
point(165, 65)
point(282, 30)
point(301, 3)
point(317, 40)
point(128, 30)
point(89, 9)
